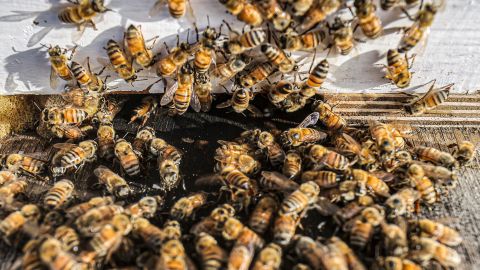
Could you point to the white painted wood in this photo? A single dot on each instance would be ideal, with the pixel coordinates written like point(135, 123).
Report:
point(451, 54)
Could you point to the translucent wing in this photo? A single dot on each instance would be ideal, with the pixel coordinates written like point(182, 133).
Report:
point(64, 146)
point(156, 9)
point(225, 104)
point(195, 102)
point(254, 110)
point(105, 62)
point(310, 120)
point(37, 37)
point(53, 78)
point(168, 96)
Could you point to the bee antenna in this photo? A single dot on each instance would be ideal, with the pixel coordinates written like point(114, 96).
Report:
point(36, 105)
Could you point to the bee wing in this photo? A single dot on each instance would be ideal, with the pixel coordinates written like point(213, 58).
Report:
point(194, 101)
point(64, 146)
point(225, 104)
point(105, 62)
point(209, 180)
point(168, 95)
point(53, 78)
point(310, 120)
point(280, 181)
point(325, 207)
point(254, 110)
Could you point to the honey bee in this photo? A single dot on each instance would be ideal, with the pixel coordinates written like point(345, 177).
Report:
point(301, 42)
point(106, 141)
point(439, 232)
point(398, 69)
point(10, 190)
point(391, 263)
point(109, 238)
point(272, 11)
point(73, 156)
point(432, 98)
point(31, 259)
point(184, 207)
point(278, 58)
point(54, 256)
point(203, 89)
point(364, 153)
point(135, 44)
point(143, 112)
point(324, 179)
point(182, 92)
point(436, 156)
point(422, 22)
point(437, 173)
point(276, 181)
point(82, 208)
point(310, 250)
point(362, 230)
point(120, 62)
point(205, 55)
point(110, 109)
point(321, 157)
point(422, 184)
point(306, 195)
point(302, 134)
point(247, 241)
point(82, 13)
point(172, 256)
point(25, 163)
point(342, 35)
point(245, 12)
point(145, 207)
point(274, 152)
point(402, 202)
point(395, 239)
point(351, 258)
point(318, 12)
point(292, 166)
point(213, 257)
point(59, 65)
point(175, 59)
point(269, 258)
point(67, 115)
point(258, 74)
point(383, 138)
point(144, 136)
point(16, 220)
point(369, 22)
point(234, 177)
point(238, 44)
point(169, 172)
point(240, 102)
point(427, 249)
point(464, 152)
point(127, 157)
point(370, 182)
point(149, 233)
point(91, 222)
point(332, 121)
point(263, 213)
point(68, 237)
point(7, 176)
point(59, 194)
point(300, 7)
point(347, 212)
point(176, 8)
point(213, 224)
point(115, 184)
point(172, 230)
point(159, 147)
point(228, 70)
point(280, 91)
point(71, 131)
point(284, 227)
point(86, 79)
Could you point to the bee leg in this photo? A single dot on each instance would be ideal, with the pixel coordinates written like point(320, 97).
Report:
point(407, 14)
point(75, 2)
point(166, 47)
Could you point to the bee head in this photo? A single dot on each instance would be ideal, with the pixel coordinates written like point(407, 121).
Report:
point(55, 51)
point(99, 6)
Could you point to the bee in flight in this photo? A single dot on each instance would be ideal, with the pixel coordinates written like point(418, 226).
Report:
point(81, 14)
